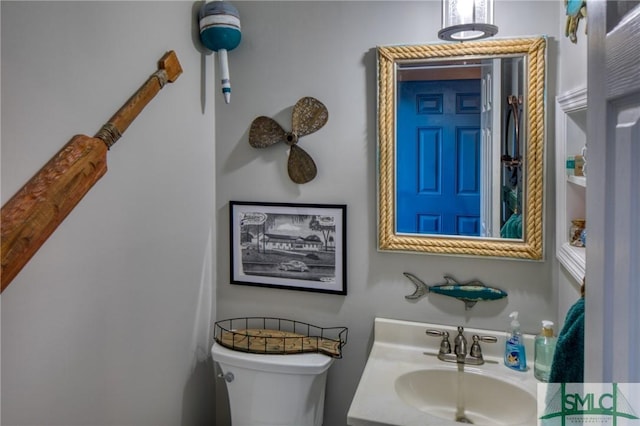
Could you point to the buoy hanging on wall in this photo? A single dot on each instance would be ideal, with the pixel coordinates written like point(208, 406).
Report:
point(220, 32)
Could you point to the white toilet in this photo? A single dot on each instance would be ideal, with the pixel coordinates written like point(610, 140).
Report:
point(282, 390)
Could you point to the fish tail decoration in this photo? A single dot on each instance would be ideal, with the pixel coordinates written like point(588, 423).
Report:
point(421, 288)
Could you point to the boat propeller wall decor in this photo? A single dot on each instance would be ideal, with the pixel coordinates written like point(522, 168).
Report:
point(470, 292)
point(308, 116)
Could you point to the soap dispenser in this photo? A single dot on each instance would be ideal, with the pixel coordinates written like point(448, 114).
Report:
point(545, 347)
point(514, 352)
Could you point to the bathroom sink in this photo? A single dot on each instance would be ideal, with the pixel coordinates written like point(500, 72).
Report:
point(405, 384)
point(452, 394)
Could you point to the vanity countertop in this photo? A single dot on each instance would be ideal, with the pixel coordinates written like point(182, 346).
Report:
point(402, 347)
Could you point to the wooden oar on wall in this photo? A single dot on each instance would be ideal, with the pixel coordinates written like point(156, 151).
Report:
point(36, 210)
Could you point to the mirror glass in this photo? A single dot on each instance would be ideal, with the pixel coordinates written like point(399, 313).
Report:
point(461, 136)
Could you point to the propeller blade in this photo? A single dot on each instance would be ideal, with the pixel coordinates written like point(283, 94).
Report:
point(265, 132)
point(301, 167)
point(309, 115)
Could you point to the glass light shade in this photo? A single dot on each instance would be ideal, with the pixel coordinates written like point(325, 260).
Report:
point(467, 20)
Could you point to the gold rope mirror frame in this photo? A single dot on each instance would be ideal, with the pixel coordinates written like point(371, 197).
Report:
point(531, 246)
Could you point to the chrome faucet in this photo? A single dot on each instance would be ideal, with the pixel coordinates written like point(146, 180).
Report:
point(460, 346)
point(460, 354)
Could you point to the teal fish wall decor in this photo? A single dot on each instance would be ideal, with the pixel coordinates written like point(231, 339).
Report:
point(470, 292)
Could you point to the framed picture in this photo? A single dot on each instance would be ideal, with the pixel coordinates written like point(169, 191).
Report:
point(290, 246)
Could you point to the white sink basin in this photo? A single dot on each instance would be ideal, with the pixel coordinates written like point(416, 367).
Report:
point(405, 384)
point(451, 394)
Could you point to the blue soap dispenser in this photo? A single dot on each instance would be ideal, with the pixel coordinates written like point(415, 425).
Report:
point(514, 352)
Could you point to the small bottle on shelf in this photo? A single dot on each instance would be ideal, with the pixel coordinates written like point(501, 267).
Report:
point(578, 162)
point(571, 165)
point(575, 232)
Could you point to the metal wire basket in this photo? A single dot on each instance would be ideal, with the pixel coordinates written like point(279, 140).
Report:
point(263, 335)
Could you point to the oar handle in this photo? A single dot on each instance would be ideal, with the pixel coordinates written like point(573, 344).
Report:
point(169, 69)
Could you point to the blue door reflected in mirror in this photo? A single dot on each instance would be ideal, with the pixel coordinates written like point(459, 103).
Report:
point(438, 145)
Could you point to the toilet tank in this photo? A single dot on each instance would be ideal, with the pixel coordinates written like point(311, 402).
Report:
point(270, 390)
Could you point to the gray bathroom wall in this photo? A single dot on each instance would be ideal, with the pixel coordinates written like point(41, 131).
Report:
point(108, 324)
point(327, 50)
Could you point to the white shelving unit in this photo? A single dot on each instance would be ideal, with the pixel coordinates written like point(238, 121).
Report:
point(571, 137)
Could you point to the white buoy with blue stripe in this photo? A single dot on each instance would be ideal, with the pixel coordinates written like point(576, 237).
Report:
point(220, 32)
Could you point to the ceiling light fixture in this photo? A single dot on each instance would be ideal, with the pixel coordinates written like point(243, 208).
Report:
point(464, 20)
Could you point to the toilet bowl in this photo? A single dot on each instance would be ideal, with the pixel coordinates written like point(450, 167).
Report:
point(270, 390)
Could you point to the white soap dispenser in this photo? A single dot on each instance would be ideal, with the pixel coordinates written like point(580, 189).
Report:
point(514, 352)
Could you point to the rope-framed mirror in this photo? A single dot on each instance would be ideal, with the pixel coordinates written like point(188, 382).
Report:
point(461, 135)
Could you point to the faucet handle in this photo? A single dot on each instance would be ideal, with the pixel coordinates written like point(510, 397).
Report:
point(475, 350)
point(445, 346)
point(486, 339)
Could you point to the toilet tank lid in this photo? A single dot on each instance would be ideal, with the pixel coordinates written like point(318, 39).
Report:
point(305, 363)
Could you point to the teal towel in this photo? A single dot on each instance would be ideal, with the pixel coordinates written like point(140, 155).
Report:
point(512, 227)
point(568, 361)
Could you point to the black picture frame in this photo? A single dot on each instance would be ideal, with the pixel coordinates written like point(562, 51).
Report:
point(289, 246)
